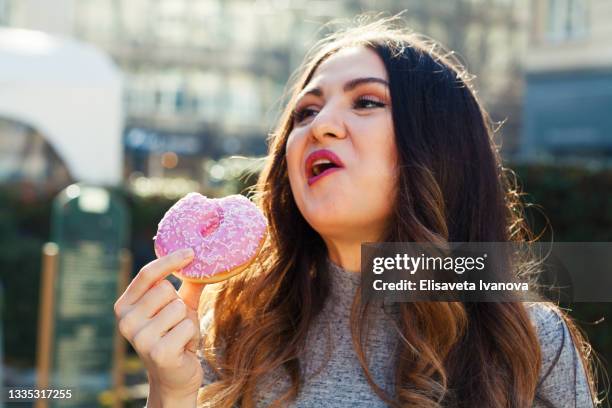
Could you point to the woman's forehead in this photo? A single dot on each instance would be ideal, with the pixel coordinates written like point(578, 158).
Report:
point(349, 63)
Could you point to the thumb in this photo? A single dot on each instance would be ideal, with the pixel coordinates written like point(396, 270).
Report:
point(196, 341)
point(191, 292)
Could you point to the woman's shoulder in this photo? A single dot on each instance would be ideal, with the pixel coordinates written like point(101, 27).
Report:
point(556, 342)
point(550, 325)
point(563, 380)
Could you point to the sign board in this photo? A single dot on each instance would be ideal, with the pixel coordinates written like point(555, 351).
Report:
point(152, 141)
point(78, 343)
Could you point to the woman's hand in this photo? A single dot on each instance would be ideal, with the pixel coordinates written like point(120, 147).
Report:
point(162, 326)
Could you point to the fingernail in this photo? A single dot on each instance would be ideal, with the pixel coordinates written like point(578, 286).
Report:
point(186, 253)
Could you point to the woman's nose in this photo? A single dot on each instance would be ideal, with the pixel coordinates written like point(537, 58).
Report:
point(328, 122)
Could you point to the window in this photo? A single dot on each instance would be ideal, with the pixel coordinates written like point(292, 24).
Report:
point(243, 101)
point(3, 12)
point(567, 20)
point(166, 95)
point(171, 27)
point(140, 93)
point(208, 91)
point(96, 20)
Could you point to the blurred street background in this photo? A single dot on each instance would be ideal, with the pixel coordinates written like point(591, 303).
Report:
point(152, 99)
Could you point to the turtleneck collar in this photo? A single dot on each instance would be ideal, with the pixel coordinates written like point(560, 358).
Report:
point(343, 282)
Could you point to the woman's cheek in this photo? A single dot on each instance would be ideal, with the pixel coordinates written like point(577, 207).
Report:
point(291, 157)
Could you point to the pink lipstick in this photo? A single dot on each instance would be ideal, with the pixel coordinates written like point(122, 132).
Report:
point(321, 163)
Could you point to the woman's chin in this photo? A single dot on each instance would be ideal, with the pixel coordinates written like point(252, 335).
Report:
point(325, 228)
point(333, 227)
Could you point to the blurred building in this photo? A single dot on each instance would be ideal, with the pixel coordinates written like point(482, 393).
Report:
point(568, 100)
point(204, 78)
point(490, 38)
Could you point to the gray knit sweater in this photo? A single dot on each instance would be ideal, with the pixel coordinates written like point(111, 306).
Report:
point(333, 377)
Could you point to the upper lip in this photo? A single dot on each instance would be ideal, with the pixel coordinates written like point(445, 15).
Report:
point(321, 154)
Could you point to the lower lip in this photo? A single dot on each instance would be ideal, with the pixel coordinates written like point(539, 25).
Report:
point(312, 180)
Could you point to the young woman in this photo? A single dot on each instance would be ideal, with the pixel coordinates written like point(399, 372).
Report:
point(413, 160)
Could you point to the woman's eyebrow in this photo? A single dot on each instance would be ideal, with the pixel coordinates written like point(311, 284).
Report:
point(353, 83)
point(349, 86)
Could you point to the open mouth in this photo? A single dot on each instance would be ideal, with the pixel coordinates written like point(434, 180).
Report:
point(321, 163)
point(320, 166)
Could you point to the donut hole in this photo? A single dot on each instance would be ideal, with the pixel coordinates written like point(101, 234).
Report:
point(210, 225)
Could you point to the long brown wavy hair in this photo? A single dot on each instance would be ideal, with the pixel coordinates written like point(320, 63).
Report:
point(451, 188)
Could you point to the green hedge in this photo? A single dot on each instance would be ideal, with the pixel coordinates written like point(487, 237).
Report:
point(573, 204)
point(577, 201)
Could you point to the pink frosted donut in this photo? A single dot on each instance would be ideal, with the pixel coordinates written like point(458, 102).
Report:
point(225, 234)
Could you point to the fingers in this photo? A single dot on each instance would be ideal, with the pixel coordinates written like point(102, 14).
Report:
point(155, 271)
point(139, 315)
point(167, 318)
point(155, 299)
point(194, 344)
point(168, 350)
point(170, 316)
point(190, 293)
point(149, 275)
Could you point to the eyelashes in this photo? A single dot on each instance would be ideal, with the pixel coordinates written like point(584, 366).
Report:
point(301, 114)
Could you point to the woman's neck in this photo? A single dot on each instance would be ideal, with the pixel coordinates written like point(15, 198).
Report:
point(344, 253)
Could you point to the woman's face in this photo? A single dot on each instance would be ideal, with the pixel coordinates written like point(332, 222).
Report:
point(341, 154)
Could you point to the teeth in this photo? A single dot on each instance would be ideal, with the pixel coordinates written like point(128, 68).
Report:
point(319, 165)
point(321, 161)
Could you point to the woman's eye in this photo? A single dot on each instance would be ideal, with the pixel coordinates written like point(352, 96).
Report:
point(299, 115)
point(364, 103)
